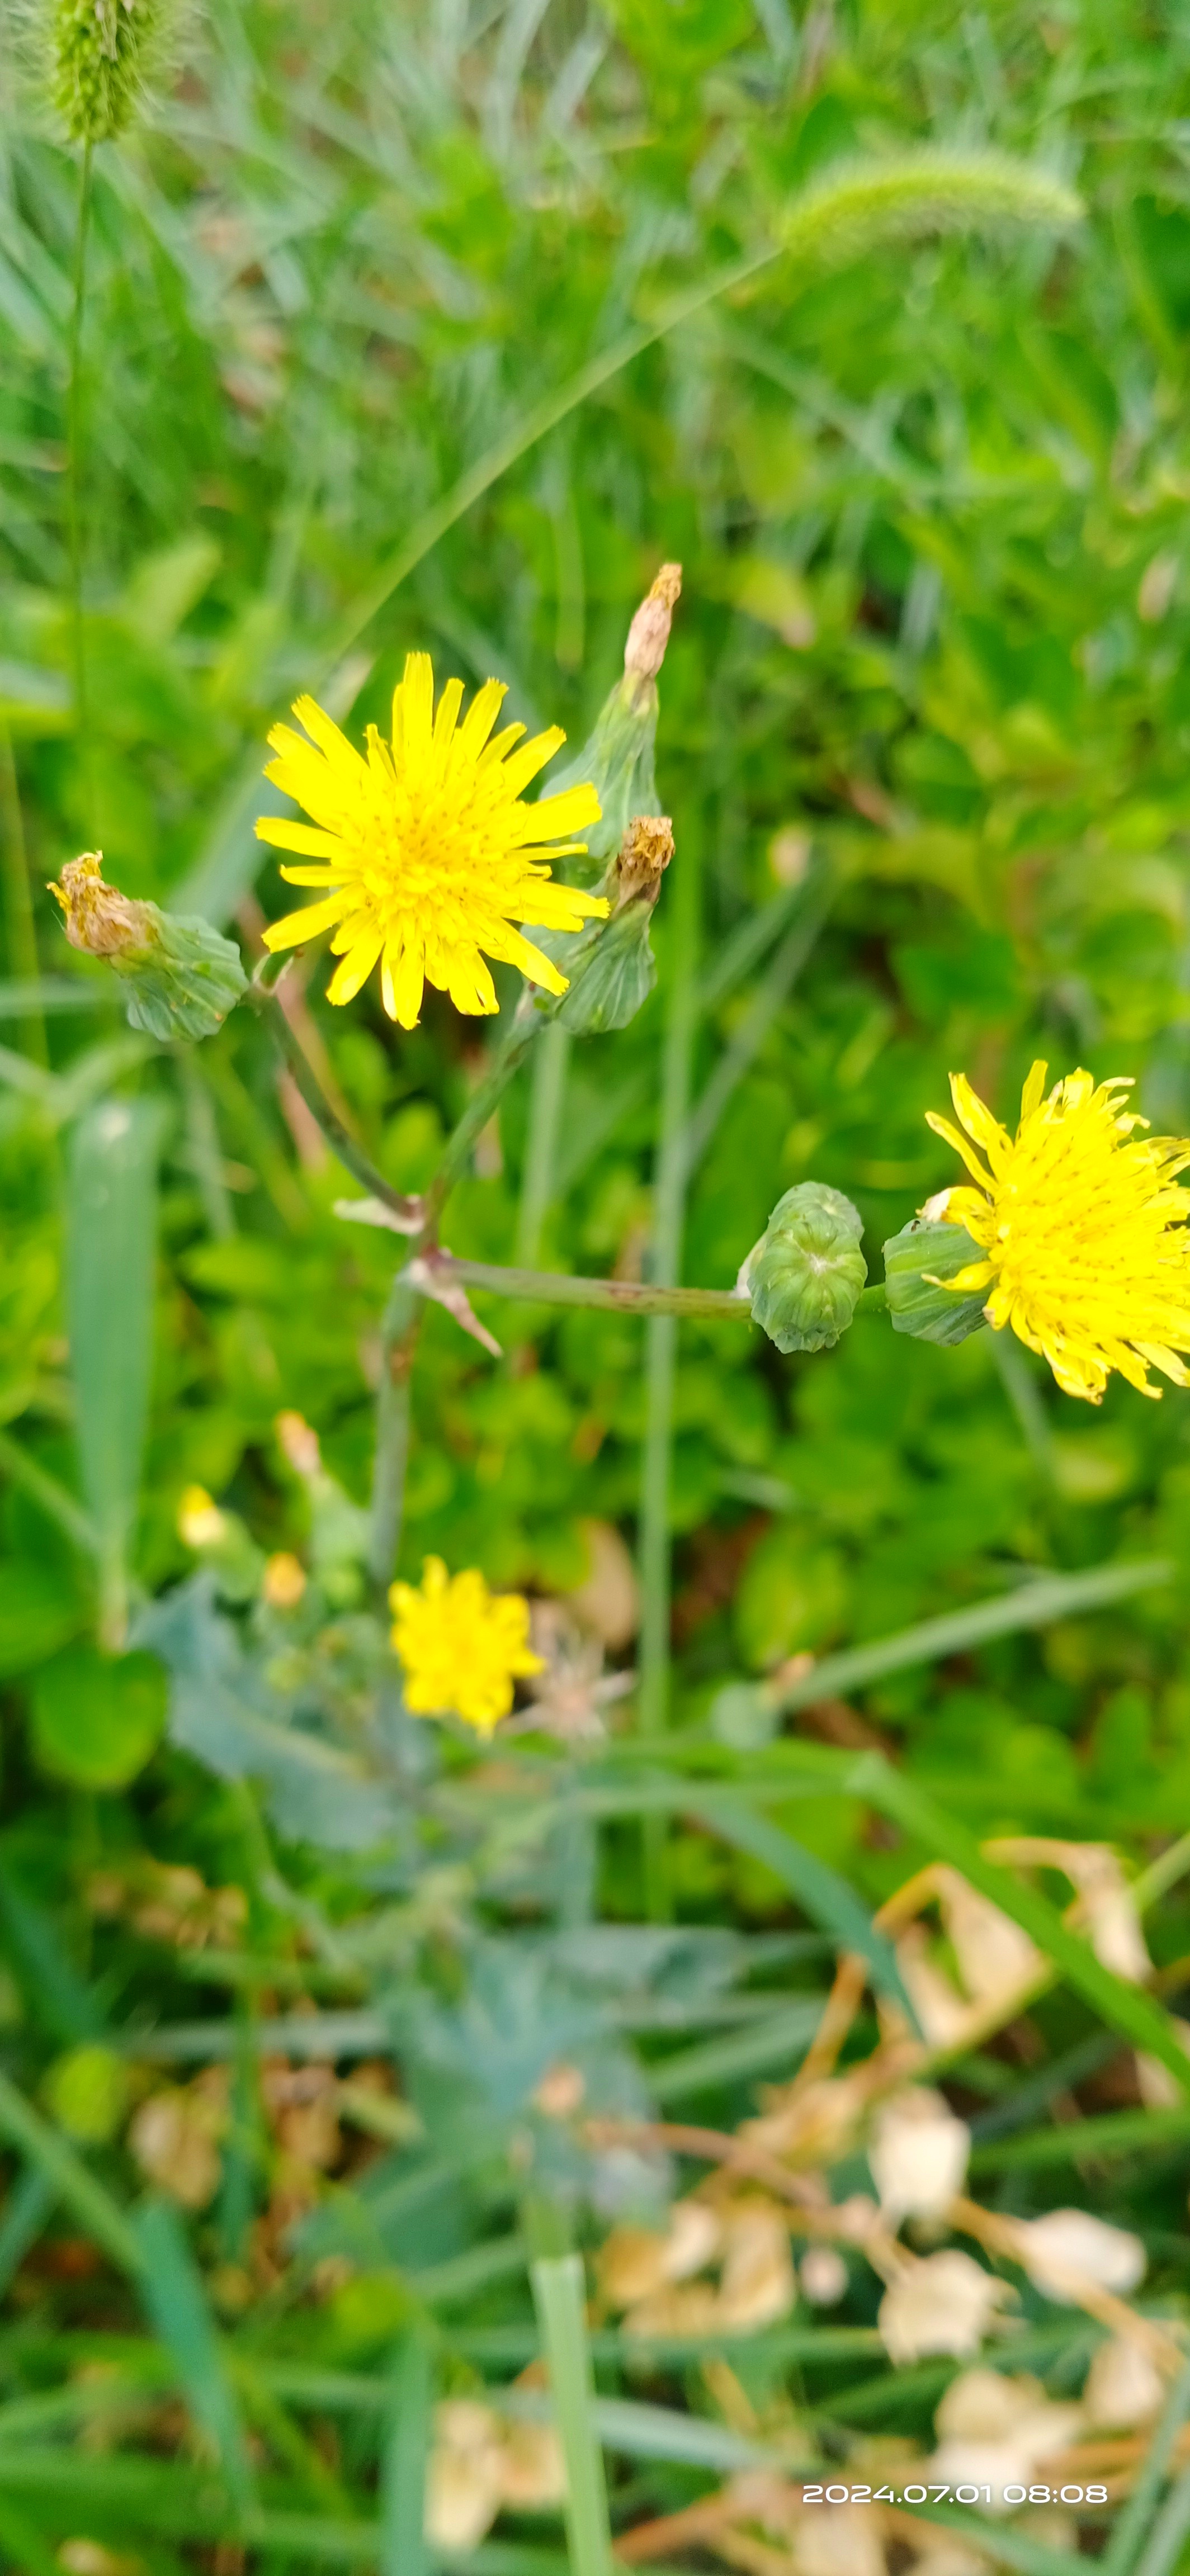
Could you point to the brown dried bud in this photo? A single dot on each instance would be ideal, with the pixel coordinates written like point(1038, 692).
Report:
point(644, 854)
point(648, 634)
point(99, 920)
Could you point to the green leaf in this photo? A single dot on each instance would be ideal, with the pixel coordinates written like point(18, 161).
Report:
point(819, 1890)
point(38, 1612)
point(174, 2296)
point(407, 2437)
point(560, 2299)
point(96, 1719)
point(111, 1233)
point(88, 2199)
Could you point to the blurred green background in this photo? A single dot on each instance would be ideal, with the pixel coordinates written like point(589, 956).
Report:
point(927, 702)
point(931, 509)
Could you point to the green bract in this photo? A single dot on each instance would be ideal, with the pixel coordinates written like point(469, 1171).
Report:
point(925, 1251)
point(181, 976)
point(805, 1275)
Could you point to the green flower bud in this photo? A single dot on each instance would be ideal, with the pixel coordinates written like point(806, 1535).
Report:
point(182, 976)
point(102, 54)
point(926, 1251)
point(615, 970)
point(618, 755)
point(630, 844)
point(805, 1275)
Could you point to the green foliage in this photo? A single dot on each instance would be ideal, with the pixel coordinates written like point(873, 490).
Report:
point(414, 328)
point(95, 1719)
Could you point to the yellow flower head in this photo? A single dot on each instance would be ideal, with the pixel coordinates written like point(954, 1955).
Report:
point(1088, 1253)
point(461, 1645)
point(426, 848)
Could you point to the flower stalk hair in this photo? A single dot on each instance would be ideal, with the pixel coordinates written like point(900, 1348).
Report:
point(425, 851)
point(462, 1647)
point(1082, 1232)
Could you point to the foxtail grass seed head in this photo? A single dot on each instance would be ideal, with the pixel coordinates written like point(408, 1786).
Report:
point(103, 53)
point(805, 1275)
point(1083, 1235)
point(463, 1648)
point(426, 851)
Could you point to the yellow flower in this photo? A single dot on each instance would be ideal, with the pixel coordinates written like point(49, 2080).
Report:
point(428, 851)
point(1088, 1254)
point(461, 1646)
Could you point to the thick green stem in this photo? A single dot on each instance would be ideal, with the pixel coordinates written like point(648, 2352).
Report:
point(556, 1288)
point(18, 900)
point(74, 477)
point(669, 1215)
point(541, 1143)
point(398, 1341)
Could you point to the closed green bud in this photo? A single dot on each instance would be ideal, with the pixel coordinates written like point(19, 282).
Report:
point(610, 964)
point(102, 55)
point(617, 756)
point(805, 1275)
point(925, 1252)
point(181, 976)
point(616, 970)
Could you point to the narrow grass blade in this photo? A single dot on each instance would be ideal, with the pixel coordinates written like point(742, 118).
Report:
point(408, 2428)
point(825, 1897)
point(111, 1229)
point(49, 1496)
point(774, 2042)
point(558, 2295)
point(747, 1040)
point(1031, 1605)
point(1012, 2548)
point(1135, 2520)
point(176, 2301)
point(66, 2174)
point(642, 2432)
point(1114, 2133)
point(1169, 2531)
point(661, 1338)
point(539, 1176)
point(26, 2212)
point(1125, 2008)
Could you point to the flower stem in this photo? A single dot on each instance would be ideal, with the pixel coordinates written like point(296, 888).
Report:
point(74, 480)
point(615, 1296)
point(661, 1342)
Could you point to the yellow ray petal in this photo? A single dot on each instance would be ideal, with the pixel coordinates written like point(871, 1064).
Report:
point(285, 834)
point(307, 924)
point(950, 1136)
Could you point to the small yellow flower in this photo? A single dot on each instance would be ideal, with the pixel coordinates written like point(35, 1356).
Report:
point(426, 848)
point(1088, 1253)
point(200, 1521)
point(461, 1645)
